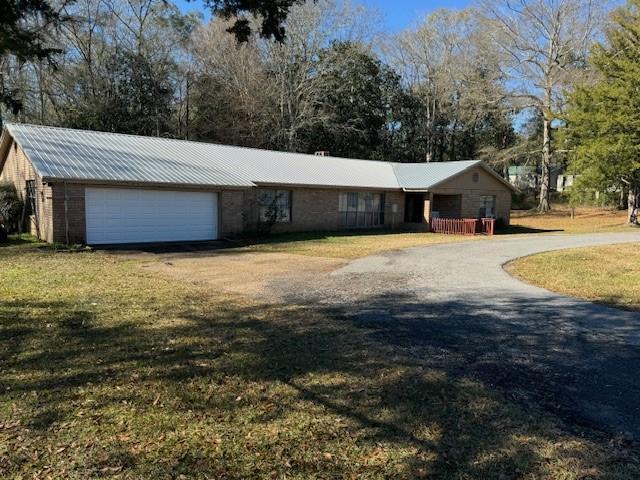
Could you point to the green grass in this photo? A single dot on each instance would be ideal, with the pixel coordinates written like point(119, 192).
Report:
point(607, 274)
point(108, 371)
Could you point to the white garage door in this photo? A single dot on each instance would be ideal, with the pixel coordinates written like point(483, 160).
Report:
point(124, 215)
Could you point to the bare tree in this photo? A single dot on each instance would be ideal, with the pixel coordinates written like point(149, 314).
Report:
point(293, 64)
point(544, 44)
point(447, 63)
point(232, 95)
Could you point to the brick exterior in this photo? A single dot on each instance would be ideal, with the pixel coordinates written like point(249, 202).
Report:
point(448, 206)
point(313, 209)
point(230, 212)
point(471, 191)
point(18, 170)
point(70, 228)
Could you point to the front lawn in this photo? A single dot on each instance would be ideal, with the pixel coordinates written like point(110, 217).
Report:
point(350, 245)
point(111, 371)
point(586, 220)
point(607, 274)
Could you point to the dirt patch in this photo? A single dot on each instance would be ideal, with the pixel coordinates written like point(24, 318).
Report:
point(244, 273)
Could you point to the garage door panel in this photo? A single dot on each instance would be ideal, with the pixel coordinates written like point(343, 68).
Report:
point(131, 216)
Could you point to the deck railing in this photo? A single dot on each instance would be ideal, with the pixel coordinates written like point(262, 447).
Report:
point(463, 226)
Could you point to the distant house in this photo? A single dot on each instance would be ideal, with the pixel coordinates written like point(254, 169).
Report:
point(524, 177)
point(105, 188)
point(565, 181)
point(528, 177)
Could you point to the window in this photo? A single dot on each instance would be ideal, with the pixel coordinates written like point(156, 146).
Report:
point(31, 200)
point(274, 206)
point(361, 209)
point(487, 206)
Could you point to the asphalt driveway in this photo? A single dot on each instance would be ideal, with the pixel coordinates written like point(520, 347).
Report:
point(456, 309)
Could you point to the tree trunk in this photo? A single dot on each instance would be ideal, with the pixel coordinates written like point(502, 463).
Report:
point(623, 203)
point(634, 203)
point(545, 180)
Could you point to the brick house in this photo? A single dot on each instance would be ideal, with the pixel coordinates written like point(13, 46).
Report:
point(105, 188)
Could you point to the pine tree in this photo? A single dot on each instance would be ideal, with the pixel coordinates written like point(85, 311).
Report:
point(603, 120)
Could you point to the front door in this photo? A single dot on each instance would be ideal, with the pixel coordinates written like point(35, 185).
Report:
point(414, 208)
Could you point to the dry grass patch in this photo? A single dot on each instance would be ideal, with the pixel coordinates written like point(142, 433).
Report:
point(586, 220)
point(606, 274)
point(246, 273)
point(350, 246)
point(110, 371)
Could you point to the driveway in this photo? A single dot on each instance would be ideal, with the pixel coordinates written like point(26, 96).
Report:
point(455, 308)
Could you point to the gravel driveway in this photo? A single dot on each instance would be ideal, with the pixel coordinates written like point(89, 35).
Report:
point(456, 309)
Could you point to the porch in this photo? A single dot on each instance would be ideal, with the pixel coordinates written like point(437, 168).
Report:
point(442, 213)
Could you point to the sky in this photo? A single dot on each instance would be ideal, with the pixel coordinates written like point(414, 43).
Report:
point(397, 14)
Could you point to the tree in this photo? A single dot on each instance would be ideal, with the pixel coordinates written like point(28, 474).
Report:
point(544, 44)
point(231, 97)
point(272, 15)
point(603, 119)
point(24, 28)
point(134, 100)
point(451, 73)
point(292, 66)
point(119, 69)
point(358, 92)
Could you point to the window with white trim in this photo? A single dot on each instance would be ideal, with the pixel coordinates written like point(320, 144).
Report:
point(487, 206)
point(361, 209)
point(274, 206)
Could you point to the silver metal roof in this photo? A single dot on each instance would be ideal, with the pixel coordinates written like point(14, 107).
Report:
point(62, 153)
point(419, 176)
point(67, 154)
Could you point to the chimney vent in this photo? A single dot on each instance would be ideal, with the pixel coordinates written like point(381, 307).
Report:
point(322, 153)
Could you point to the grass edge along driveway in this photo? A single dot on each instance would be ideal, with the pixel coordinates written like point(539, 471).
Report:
point(608, 274)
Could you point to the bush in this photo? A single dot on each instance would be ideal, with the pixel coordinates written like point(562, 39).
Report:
point(523, 201)
point(10, 207)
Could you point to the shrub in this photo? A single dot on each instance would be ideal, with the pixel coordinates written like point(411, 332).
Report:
point(10, 207)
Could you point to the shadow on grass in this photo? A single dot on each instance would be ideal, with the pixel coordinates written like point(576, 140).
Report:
point(20, 239)
point(180, 247)
point(386, 388)
point(514, 229)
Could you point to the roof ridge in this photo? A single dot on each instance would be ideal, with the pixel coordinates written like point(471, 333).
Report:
point(223, 145)
point(281, 152)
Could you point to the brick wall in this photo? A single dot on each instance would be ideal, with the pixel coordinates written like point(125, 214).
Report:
point(70, 228)
point(231, 204)
point(17, 170)
point(447, 206)
point(472, 187)
point(312, 209)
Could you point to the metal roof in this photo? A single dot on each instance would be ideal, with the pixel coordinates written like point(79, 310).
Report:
point(67, 154)
point(414, 176)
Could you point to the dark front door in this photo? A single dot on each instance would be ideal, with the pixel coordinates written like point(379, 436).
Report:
point(414, 208)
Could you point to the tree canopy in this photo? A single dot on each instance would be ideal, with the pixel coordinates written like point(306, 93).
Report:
point(308, 75)
point(603, 121)
point(272, 14)
point(24, 25)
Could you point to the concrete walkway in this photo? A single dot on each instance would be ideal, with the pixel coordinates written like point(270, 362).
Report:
point(458, 310)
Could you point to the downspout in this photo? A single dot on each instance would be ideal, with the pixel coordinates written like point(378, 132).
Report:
point(66, 214)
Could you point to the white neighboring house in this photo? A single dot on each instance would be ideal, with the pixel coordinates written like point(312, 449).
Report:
point(564, 182)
